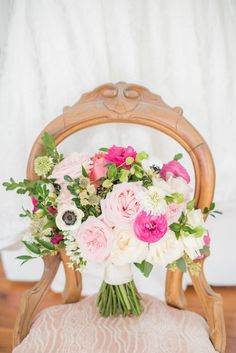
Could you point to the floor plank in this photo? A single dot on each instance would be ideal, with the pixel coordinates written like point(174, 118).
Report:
point(10, 294)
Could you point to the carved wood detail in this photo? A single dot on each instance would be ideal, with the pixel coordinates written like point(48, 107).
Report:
point(130, 103)
point(33, 297)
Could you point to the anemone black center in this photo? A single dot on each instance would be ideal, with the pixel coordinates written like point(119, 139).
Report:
point(155, 168)
point(69, 217)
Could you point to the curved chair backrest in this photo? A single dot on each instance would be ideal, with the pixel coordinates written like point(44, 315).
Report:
point(129, 103)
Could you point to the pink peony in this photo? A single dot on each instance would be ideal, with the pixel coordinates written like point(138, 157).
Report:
point(56, 239)
point(72, 166)
point(174, 211)
point(35, 202)
point(149, 228)
point(98, 170)
point(118, 155)
point(95, 239)
point(121, 205)
point(175, 168)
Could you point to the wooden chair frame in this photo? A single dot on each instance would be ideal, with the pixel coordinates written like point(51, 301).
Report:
point(130, 103)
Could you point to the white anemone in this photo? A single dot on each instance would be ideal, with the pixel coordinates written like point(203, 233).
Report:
point(69, 217)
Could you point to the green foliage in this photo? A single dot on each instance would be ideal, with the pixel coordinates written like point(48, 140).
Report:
point(145, 267)
point(25, 258)
point(211, 210)
point(33, 247)
point(178, 156)
point(50, 148)
point(190, 205)
point(103, 149)
point(45, 244)
point(181, 264)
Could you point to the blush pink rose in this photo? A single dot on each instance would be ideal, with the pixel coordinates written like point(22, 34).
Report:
point(174, 211)
point(176, 169)
point(72, 166)
point(98, 170)
point(118, 155)
point(121, 205)
point(149, 228)
point(95, 239)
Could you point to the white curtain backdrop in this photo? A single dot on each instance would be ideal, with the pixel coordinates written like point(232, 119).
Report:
point(184, 50)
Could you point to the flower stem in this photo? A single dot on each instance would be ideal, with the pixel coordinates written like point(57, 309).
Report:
point(114, 300)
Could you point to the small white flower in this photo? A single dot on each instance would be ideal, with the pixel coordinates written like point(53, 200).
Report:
point(195, 218)
point(166, 250)
point(152, 165)
point(69, 217)
point(192, 246)
point(153, 201)
point(179, 185)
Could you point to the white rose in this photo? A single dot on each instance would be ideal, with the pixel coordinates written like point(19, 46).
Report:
point(192, 246)
point(127, 248)
point(179, 185)
point(69, 217)
point(195, 218)
point(166, 250)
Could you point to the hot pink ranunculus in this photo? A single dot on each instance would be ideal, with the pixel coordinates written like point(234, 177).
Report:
point(176, 169)
point(149, 228)
point(34, 202)
point(98, 170)
point(72, 166)
point(121, 205)
point(118, 155)
point(95, 239)
point(174, 211)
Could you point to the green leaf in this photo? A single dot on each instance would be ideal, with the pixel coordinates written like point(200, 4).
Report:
point(48, 140)
point(218, 212)
point(178, 156)
point(206, 210)
point(212, 206)
point(181, 264)
point(177, 197)
point(190, 205)
point(103, 149)
point(33, 247)
point(145, 267)
point(68, 178)
point(84, 172)
point(204, 250)
point(112, 172)
point(25, 258)
point(188, 229)
point(175, 227)
point(45, 243)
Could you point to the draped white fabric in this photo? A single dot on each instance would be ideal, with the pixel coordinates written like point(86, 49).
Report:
point(184, 50)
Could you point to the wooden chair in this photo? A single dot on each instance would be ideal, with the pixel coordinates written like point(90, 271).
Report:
point(130, 103)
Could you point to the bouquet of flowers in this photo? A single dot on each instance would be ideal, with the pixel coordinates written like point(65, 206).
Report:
point(117, 207)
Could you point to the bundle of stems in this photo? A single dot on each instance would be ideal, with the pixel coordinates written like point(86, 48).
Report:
point(123, 299)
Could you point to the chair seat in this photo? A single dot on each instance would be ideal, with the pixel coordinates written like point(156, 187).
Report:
point(78, 328)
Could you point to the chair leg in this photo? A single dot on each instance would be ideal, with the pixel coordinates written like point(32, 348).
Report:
point(73, 285)
point(212, 304)
point(33, 297)
point(174, 292)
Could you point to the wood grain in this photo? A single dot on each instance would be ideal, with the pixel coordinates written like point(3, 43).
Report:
point(130, 103)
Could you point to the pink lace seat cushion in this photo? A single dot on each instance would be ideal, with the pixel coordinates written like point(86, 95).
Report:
point(78, 328)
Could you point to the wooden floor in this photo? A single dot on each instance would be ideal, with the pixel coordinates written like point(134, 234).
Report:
point(10, 293)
